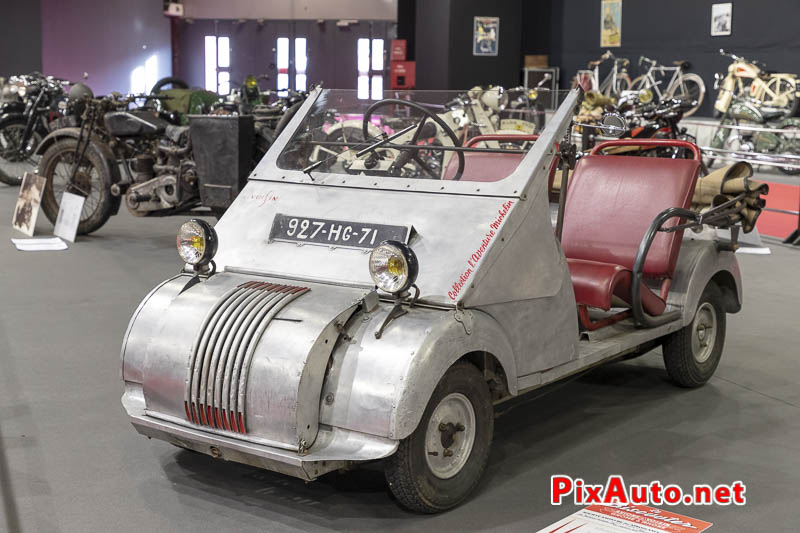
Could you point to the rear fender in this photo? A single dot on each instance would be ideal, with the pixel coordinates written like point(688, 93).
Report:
point(699, 263)
point(382, 386)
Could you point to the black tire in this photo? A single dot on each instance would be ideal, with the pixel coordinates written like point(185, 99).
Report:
point(12, 165)
point(176, 83)
point(98, 206)
point(689, 362)
point(408, 473)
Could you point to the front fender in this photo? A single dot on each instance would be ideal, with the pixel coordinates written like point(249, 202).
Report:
point(382, 386)
point(699, 263)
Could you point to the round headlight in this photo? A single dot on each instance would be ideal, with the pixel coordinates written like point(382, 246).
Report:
point(21, 90)
point(197, 242)
point(393, 266)
point(645, 96)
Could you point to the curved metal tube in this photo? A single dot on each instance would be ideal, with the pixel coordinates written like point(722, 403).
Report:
point(668, 143)
point(639, 316)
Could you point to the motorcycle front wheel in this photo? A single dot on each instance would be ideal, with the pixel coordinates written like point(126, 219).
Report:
point(14, 162)
point(90, 180)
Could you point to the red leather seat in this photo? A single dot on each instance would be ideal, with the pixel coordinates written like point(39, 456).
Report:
point(611, 202)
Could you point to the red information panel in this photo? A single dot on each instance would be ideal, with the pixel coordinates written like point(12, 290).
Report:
point(402, 74)
point(398, 50)
point(627, 518)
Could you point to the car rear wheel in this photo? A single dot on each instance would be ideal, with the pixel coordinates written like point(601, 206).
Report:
point(691, 355)
point(441, 463)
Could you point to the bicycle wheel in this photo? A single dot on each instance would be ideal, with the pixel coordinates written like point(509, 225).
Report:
point(785, 96)
point(689, 87)
point(622, 83)
point(639, 83)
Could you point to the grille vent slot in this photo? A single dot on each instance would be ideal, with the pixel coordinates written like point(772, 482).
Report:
point(216, 381)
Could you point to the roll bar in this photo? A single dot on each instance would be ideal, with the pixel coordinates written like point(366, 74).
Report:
point(500, 137)
point(667, 143)
point(639, 316)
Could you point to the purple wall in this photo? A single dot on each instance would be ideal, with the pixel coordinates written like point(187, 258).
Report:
point(20, 37)
point(108, 39)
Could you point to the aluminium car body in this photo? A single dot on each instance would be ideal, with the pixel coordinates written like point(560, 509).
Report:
point(285, 355)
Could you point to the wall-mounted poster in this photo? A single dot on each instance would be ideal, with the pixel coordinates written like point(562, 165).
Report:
point(485, 34)
point(611, 23)
point(721, 19)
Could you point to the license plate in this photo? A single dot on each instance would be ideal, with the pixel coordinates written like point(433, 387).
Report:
point(337, 233)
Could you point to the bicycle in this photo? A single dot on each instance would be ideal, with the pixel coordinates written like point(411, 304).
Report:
point(613, 84)
point(684, 86)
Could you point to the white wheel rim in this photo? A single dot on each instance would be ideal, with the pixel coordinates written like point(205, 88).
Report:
point(450, 436)
point(704, 332)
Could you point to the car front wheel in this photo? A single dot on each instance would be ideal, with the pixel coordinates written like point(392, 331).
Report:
point(692, 354)
point(441, 463)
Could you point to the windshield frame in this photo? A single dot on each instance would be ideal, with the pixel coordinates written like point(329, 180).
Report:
point(538, 157)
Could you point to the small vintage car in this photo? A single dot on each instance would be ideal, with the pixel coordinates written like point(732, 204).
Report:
point(375, 296)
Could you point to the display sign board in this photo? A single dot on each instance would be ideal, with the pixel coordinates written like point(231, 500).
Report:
point(69, 216)
point(627, 518)
point(27, 208)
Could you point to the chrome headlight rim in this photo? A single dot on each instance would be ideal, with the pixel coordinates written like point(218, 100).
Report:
point(410, 266)
point(198, 228)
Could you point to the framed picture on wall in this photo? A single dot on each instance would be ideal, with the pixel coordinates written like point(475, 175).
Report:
point(485, 35)
point(721, 15)
point(611, 23)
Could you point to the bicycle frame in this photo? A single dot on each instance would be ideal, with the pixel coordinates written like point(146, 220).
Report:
point(652, 83)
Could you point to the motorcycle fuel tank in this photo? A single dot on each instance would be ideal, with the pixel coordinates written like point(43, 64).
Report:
point(132, 124)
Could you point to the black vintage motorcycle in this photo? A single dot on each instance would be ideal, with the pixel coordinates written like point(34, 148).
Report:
point(26, 121)
point(147, 158)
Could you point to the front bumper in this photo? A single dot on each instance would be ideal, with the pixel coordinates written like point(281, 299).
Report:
point(335, 448)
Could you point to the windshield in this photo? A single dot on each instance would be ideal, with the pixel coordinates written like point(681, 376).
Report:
point(474, 135)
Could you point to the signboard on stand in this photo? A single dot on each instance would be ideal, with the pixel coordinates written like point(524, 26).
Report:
point(69, 216)
point(27, 208)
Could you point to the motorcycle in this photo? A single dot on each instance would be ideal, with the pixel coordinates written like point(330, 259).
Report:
point(148, 158)
point(26, 121)
point(760, 141)
point(751, 78)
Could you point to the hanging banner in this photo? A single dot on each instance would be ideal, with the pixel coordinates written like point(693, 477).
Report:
point(611, 23)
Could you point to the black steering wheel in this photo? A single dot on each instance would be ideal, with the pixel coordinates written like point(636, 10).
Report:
point(407, 154)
